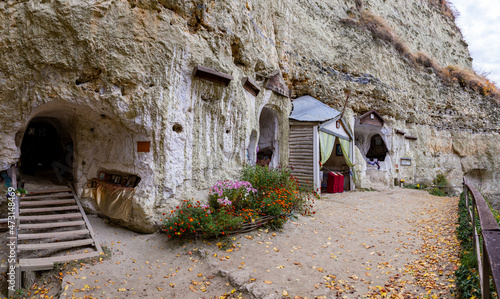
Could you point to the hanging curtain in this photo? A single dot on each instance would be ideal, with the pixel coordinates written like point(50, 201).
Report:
point(326, 142)
point(344, 144)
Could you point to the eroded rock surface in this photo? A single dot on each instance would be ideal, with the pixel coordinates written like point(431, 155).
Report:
point(113, 73)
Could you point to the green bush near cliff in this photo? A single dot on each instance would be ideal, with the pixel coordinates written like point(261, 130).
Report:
point(440, 182)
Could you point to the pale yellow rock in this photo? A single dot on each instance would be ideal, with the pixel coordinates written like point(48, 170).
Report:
point(112, 73)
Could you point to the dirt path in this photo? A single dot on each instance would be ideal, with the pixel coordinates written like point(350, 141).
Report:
point(358, 244)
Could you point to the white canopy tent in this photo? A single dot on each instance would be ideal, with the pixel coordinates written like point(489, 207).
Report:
point(314, 128)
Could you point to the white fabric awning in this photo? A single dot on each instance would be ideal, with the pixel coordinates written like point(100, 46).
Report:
point(330, 127)
point(307, 108)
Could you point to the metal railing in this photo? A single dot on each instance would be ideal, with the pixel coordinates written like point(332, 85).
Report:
point(489, 258)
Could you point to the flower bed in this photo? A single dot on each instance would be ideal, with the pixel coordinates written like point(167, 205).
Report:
point(264, 197)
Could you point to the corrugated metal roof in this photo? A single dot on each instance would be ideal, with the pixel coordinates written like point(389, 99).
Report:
point(307, 108)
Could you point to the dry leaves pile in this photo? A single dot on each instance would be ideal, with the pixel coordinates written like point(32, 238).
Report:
point(431, 274)
point(381, 245)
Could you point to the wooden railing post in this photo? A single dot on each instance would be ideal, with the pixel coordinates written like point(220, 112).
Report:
point(489, 259)
point(492, 251)
point(474, 229)
point(485, 287)
point(466, 193)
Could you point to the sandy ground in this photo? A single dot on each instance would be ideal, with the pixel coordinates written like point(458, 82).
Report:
point(358, 244)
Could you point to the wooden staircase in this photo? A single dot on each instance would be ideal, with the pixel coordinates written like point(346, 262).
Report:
point(53, 228)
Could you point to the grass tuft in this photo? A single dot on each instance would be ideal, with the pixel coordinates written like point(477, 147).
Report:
point(467, 79)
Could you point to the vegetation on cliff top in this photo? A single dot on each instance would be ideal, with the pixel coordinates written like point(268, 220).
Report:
point(467, 79)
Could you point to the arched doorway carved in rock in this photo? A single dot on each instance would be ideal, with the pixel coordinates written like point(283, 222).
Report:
point(47, 150)
point(268, 145)
point(378, 149)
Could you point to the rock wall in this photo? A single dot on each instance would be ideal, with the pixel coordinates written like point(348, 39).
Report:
point(454, 154)
point(116, 72)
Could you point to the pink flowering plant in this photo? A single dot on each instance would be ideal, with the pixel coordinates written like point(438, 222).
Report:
point(194, 218)
point(239, 194)
point(270, 193)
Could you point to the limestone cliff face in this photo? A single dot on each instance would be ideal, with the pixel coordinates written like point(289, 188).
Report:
point(113, 73)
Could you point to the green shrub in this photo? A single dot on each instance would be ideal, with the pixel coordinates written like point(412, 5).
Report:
point(195, 219)
point(279, 180)
point(264, 178)
point(437, 192)
point(440, 180)
point(262, 192)
point(468, 282)
point(417, 186)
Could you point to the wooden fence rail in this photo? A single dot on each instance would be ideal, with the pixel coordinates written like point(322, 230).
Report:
point(489, 258)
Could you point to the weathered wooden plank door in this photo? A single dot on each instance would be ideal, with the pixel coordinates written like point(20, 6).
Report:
point(302, 153)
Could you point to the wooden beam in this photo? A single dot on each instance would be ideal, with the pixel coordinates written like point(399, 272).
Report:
point(47, 196)
point(411, 137)
point(51, 217)
point(486, 218)
point(51, 224)
point(293, 160)
point(303, 146)
point(492, 245)
point(52, 235)
point(87, 222)
point(489, 261)
point(211, 75)
point(55, 245)
point(47, 263)
point(47, 191)
point(49, 209)
point(302, 156)
point(276, 83)
point(250, 86)
point(54, 202)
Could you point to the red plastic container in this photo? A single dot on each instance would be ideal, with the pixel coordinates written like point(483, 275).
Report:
point(330, 183)
point(339, 183)
point(335, 183)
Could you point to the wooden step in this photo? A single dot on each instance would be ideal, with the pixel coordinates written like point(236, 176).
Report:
point(49, 209)
point(51, 224)
point(75, 233)
point(47, 263)
point(51, 217)
point(46, 202)
point(37, 192)
point(55, 245)
point(46, 196)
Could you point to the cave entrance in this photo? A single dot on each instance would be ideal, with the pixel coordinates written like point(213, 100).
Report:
point(378, 149)
point(47, 151)
point(267, 146)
